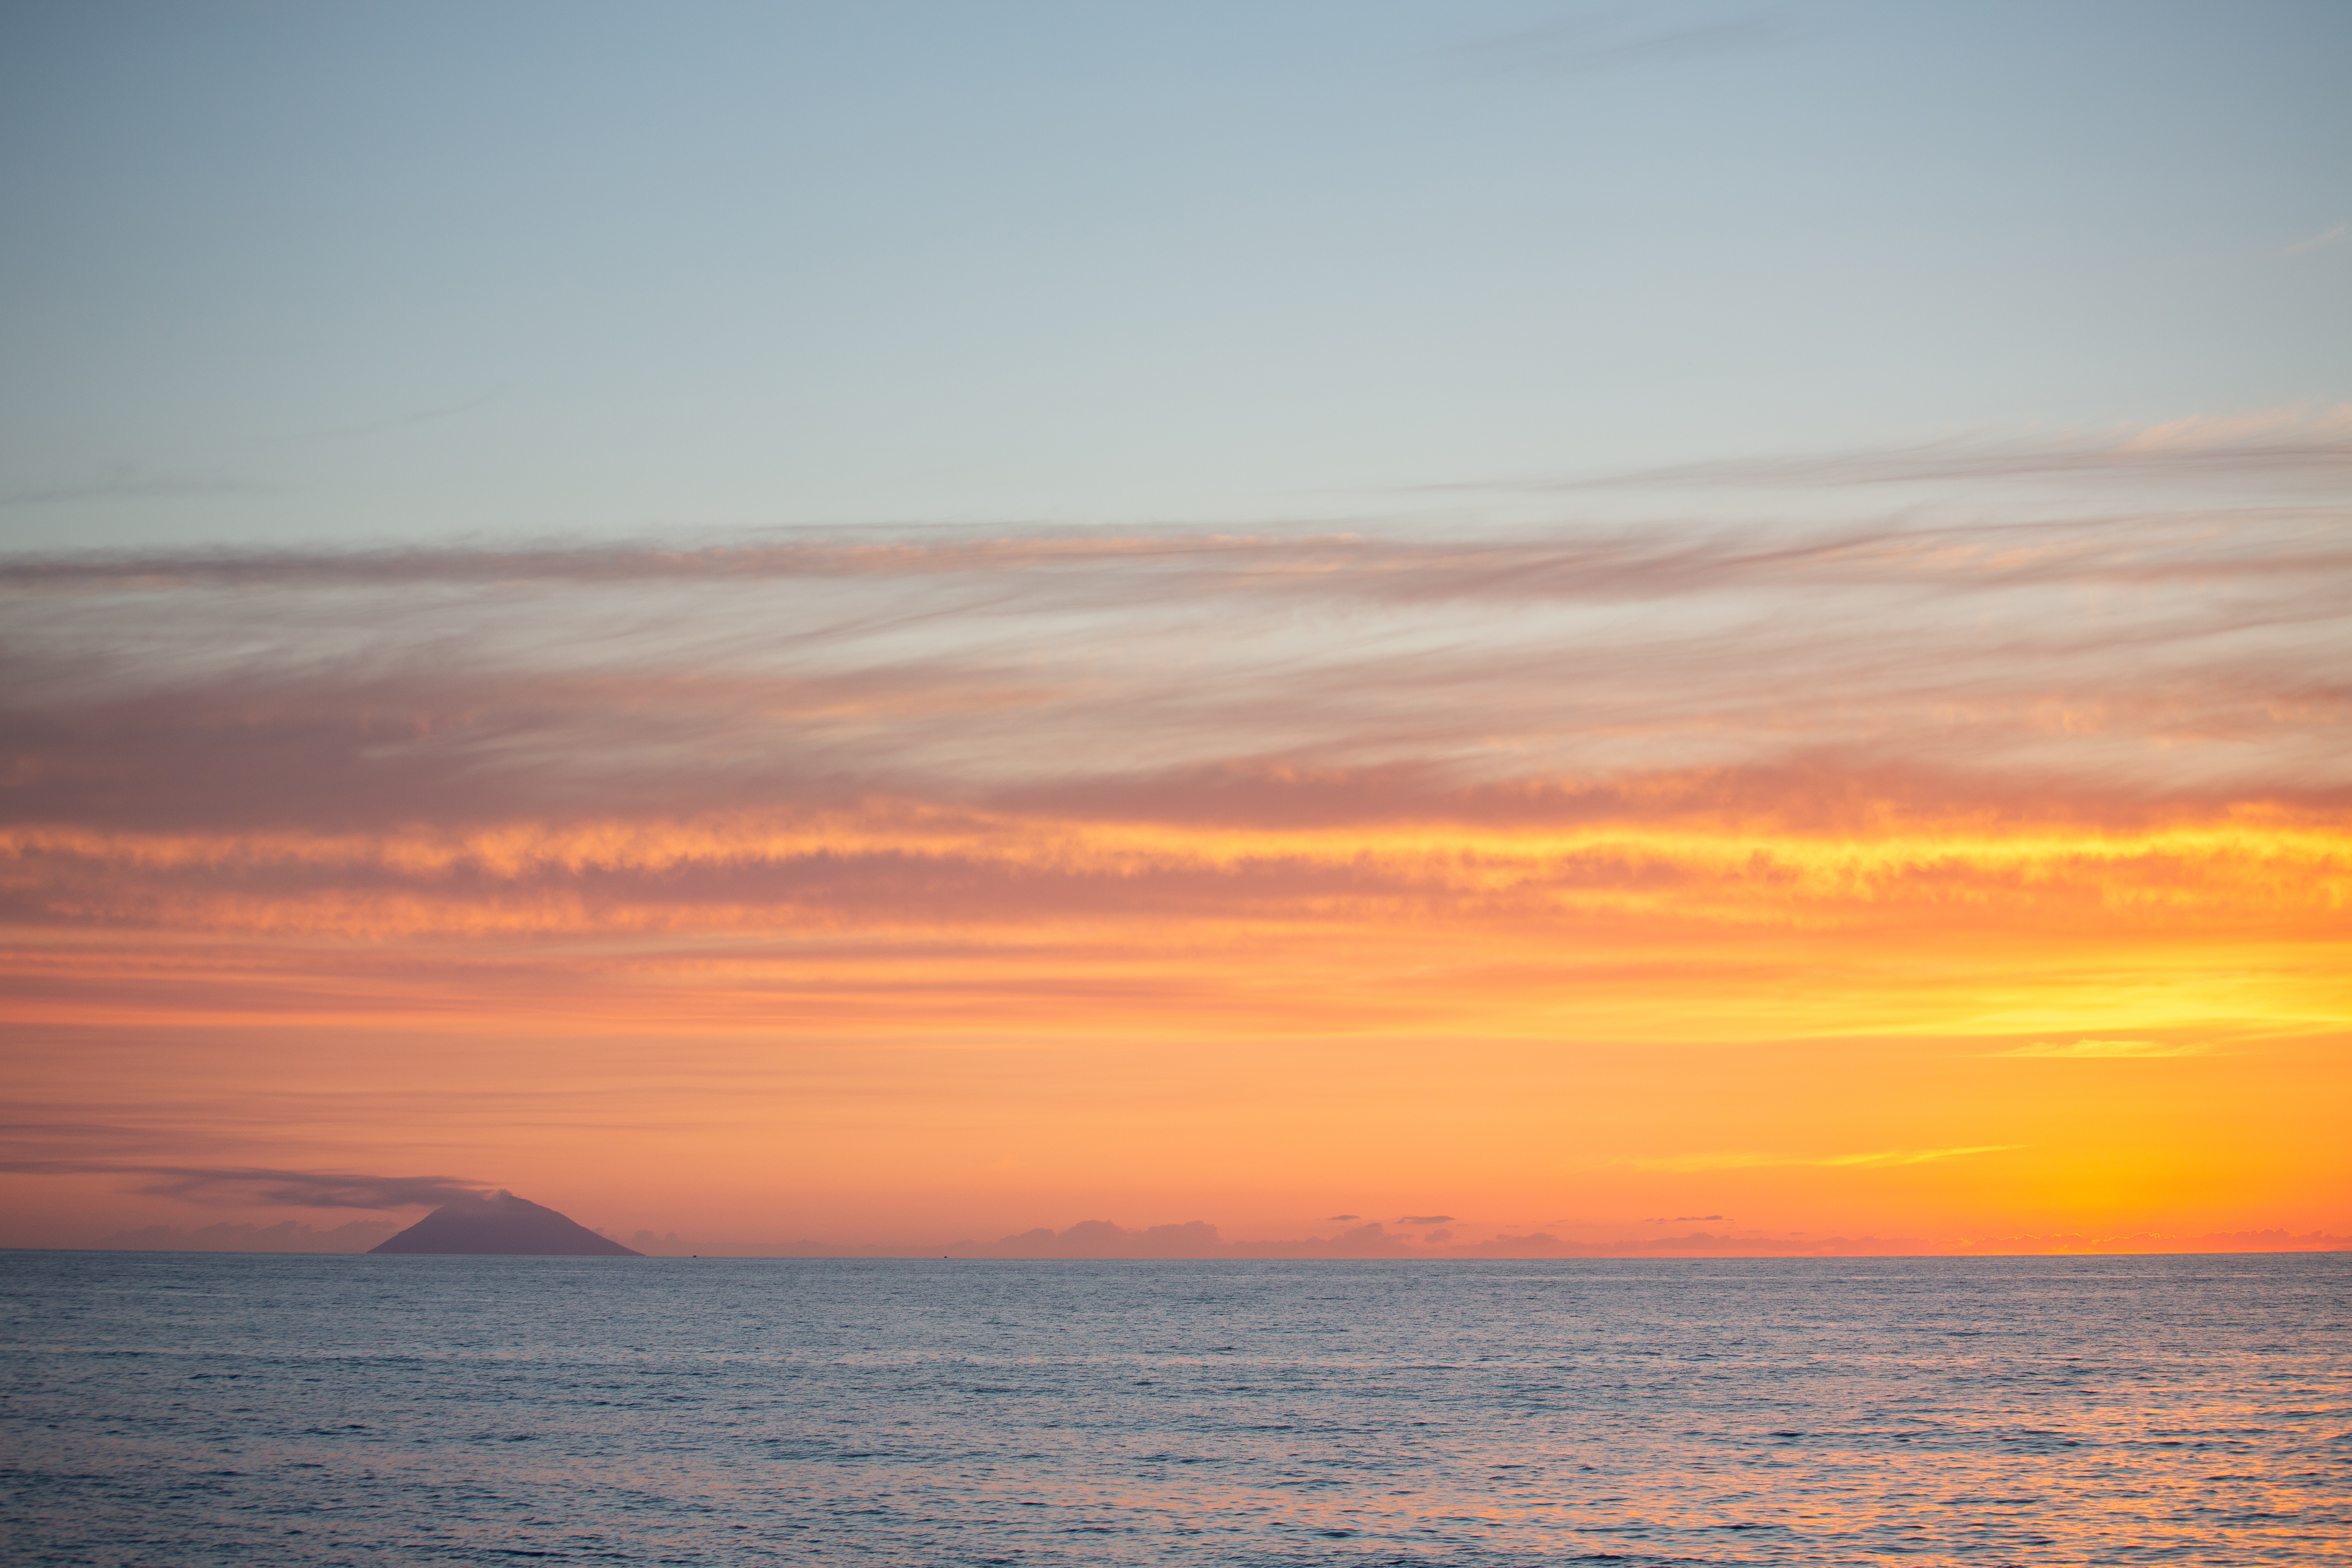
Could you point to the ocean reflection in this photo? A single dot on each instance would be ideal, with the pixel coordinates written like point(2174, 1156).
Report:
point(201, 1408)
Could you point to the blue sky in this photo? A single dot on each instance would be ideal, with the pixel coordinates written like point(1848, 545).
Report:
point(336, 273)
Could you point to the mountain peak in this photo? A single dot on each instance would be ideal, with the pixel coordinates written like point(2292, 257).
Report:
point(502, 1224)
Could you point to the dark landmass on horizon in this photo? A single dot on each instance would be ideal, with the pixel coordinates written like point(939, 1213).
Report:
point(502, 1224)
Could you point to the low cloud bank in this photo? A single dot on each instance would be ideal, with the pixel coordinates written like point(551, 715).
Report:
point(1106, 1239)
point(286, 1236)
point(1099, 1239)
point(2158, 1242)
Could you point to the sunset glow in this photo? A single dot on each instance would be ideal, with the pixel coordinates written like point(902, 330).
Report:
point(1337, 630)
point(1858, 890)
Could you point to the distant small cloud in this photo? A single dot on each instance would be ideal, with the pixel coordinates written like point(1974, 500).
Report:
point(1426, 1219)
point(2319, 241)
point(1104, 1238)
point(127, 490)
point(1336, 1219)
point(2316, 430)
point(2089, 1050)
point(403, 421)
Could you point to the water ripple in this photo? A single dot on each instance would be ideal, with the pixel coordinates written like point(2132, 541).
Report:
point(195, 1409)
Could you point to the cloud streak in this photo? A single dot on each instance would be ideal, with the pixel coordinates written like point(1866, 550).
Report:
point(2132, 656)
point(1875, 1160)
point(2107, 1051)
point(2294, 443)
point(251, 1186)
point(2319, 241)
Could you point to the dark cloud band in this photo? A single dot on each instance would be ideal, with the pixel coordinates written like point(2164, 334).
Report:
point(250, 1184)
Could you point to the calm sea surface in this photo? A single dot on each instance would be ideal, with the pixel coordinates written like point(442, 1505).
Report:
point(175, 1409)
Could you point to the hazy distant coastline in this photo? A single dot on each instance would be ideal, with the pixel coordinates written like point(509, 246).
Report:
point(1104, 1241)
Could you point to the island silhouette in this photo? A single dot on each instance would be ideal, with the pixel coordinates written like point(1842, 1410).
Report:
point(502, 1224)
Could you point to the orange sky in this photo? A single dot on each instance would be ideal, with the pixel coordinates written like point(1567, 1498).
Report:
point(1922, 883)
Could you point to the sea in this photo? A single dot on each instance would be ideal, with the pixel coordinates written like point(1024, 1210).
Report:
point(171, 1409)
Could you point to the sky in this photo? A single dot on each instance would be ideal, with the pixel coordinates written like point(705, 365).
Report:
point(1301, 629)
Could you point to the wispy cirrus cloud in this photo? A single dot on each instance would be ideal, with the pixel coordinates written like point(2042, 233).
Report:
point(2319, 241)
point(1874, 1160)
point(2296, 443)
point(2132, 722)
point(2107, 1051)
point(2134, 656)
point(126, 488)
